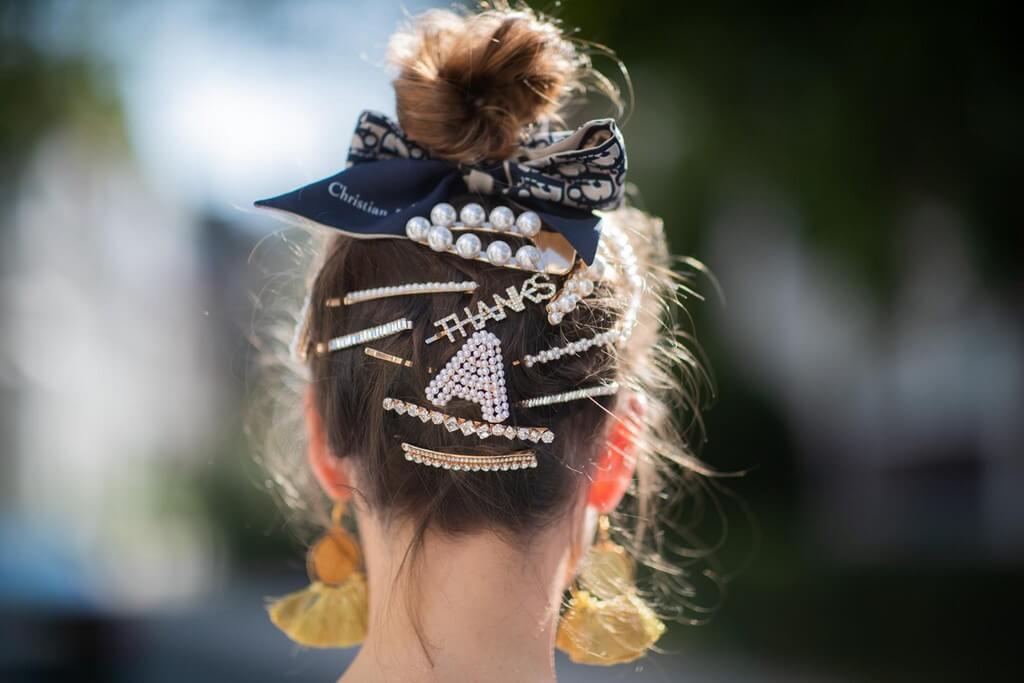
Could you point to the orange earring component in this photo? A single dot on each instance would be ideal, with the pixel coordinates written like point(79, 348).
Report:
point(615, 468)
point(332, 610)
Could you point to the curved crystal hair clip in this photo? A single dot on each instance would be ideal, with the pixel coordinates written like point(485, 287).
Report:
point(574, 395)
point(548, 253)
point(467, 426)
point(520, 460)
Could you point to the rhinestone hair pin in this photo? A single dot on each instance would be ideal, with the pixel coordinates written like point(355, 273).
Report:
point(467, 426)
point(575, 395)
point(362, 295)
point(520, 460)
point(536, 289)
point(363, 336)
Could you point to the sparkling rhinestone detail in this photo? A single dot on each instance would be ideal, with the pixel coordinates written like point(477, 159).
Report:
point(367, 335)
point(469, 427)
point(575, 395)
point(535, 289)
point(521, 460)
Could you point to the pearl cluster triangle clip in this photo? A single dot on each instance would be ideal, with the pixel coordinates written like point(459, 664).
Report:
point(475, 373)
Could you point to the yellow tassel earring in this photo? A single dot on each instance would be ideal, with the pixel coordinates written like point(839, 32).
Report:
point(332, 610)
point(606, 622)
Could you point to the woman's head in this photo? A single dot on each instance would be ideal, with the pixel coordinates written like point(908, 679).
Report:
point(468, 89)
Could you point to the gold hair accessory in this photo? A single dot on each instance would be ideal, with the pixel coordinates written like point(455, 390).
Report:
point(363, 336)
point(380, 355)
point(536, 289)
point(606, 622)
point(520, 460)
point(575, 395)
point(362, 295)
point(468, 427)
point(332, 610)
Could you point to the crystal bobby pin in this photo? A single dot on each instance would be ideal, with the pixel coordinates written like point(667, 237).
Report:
point(467, 426)
point(520, 460)
point(535, 289)
point(363, 336)
point(575, 395)
point(400, 290)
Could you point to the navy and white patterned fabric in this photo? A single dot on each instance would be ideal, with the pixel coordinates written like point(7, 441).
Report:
point(563, 176)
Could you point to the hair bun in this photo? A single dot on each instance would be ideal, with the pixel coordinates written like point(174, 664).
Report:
point(467, 85)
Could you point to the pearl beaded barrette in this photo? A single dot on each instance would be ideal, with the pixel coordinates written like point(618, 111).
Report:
point(469, 427)
point(371, 294)
point(520, 460)
point(436, 232)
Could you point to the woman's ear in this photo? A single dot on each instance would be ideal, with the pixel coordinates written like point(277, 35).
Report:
point(330, 470)
point(617, 465)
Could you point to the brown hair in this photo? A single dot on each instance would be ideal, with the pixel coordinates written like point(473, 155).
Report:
point(467, 86)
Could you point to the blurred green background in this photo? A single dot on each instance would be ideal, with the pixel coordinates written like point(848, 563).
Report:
point(850, 176)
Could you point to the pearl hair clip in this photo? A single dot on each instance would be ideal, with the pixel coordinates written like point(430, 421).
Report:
point(544, 255)
point(363, 336)
point(520, 460)
point(469, 427)
point(575, 395)
point(362, 295)
point(619, 251)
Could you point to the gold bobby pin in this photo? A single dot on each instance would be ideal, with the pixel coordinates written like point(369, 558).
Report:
point(380, 355)
point(361, 295)
point(520, 460)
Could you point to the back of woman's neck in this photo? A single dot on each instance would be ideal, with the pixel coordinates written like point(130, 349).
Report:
point(486, 611)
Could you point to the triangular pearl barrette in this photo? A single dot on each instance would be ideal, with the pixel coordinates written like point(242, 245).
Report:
point(475, 373)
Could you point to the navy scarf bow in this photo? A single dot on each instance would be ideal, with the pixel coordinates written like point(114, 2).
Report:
point(563, 176)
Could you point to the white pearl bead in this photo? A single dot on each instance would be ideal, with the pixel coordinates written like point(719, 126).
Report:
point(528, 256)
point(498, 252)
point(443, 214)
point(502, 217)
point(554, 317)
point(468, 245)
point(586, 287)
point(528, 223)
point(439, 238)
point(473, 215)
point(416, 228)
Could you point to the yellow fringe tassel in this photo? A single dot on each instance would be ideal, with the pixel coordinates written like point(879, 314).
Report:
point(607, 631)
point(323, 615)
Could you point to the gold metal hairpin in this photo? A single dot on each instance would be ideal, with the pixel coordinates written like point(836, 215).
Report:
point(411, 288)
point(380, 355)
point(520, 460)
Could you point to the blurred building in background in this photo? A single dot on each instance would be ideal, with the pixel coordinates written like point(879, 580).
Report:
point(848, 177)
